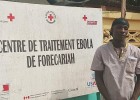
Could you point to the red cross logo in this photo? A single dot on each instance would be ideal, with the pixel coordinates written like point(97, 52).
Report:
point(50, 17)
point(85, 18)
point(11, 17)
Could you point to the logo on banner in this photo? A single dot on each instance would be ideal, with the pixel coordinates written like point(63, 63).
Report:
point(26, 97)
point(38, 95)
point(4, 93)
point(92, 82)
point(6, 88)
point(85, 18)
point(92, 75)
point(50, 17)
point(73, 89)
point(89, 22)
point(9, 18)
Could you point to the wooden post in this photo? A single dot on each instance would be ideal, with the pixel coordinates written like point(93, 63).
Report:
point(123, 8)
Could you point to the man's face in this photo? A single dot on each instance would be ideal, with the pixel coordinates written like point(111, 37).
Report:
point(119, 32)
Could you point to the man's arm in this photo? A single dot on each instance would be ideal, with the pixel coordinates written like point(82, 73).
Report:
point(136, 92)
point(101, 85)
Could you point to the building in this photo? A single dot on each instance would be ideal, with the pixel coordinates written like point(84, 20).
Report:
point(111, 10)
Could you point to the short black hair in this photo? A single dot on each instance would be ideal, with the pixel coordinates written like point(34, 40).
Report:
point(117, 21)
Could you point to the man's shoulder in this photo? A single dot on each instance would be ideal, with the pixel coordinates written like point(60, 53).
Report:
point(104, 46)
point(133, 47)
point(134, 50)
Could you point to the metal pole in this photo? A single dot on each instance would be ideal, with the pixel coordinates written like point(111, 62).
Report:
point(123, 8)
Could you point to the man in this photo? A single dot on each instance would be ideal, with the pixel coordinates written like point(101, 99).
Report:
point(117, 65)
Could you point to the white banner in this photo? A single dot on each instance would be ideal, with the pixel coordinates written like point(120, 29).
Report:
point(46, 51)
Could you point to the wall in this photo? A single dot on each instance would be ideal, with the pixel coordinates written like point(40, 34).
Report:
point(134, 30)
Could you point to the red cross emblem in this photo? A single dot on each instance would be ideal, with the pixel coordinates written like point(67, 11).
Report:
point(85, 18)
point(50, 17)
point(11, 17)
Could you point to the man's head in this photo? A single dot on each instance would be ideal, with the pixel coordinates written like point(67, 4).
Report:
point(119, 28)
